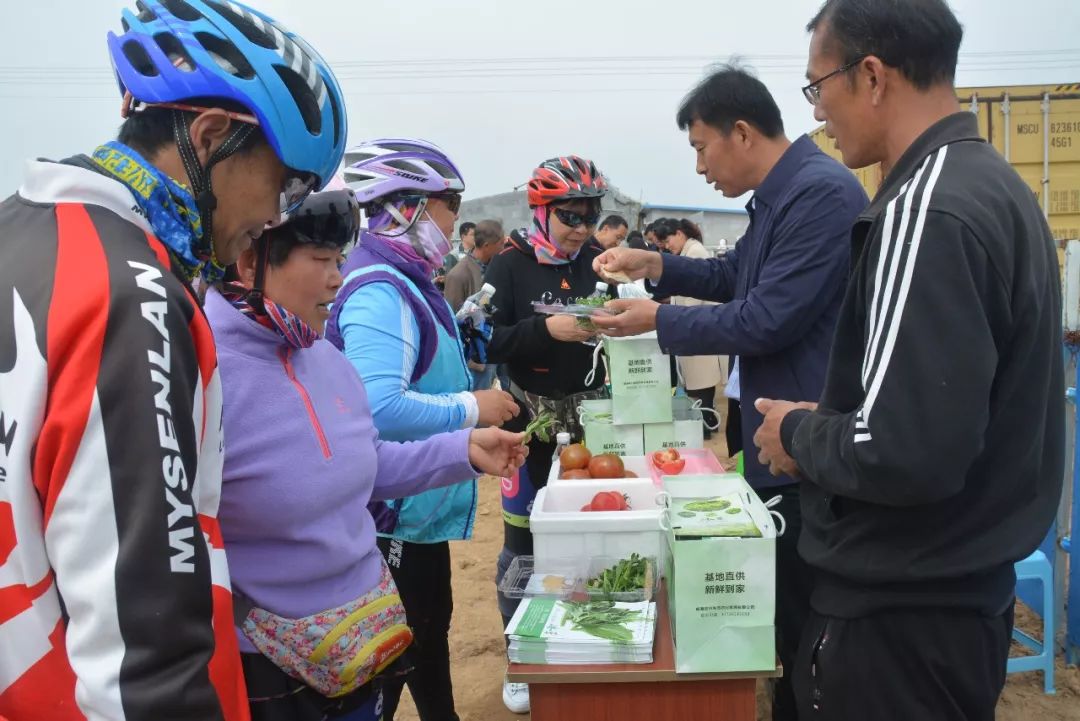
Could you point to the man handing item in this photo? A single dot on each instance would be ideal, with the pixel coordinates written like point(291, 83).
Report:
point(780, 289)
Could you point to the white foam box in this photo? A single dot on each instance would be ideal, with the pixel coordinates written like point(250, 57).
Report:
point(560, 529)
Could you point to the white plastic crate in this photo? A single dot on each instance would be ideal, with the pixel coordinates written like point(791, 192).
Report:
point(560, 529)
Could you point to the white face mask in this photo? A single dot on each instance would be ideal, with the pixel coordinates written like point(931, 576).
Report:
point(429, 241)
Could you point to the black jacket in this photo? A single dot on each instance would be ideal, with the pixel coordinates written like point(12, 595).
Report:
point(537, 362)
point(935, 460)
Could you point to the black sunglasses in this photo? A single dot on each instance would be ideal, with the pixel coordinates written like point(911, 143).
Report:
point(812, 92)
point(575, 220)
point(452, 200)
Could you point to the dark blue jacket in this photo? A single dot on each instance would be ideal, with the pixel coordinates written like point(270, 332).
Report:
point(780, 288)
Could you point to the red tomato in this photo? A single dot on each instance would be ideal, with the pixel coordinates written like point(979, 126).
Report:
point(587, 507)
point(575, 474)
point(672, 468)
point(609, 501)
point(575, 456)
point(606, 466)
point(667, 455)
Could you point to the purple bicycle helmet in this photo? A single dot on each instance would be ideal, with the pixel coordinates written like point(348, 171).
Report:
point(386, 173)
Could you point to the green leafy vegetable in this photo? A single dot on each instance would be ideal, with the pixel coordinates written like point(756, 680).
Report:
point(601, 619)
point(541, 426)
point(630, 574)
point(592, 302)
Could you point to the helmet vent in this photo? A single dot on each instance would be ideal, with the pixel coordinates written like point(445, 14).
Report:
point(401, 147)
point(253, 28)
point(145, 15)
point(175, 51)
point(358, 157)
point(140, 60)
point(443, 170)
point(226, 55)
point(305, 99)
point(336, 117)
point(354, 177)
point(406, 166)
point(182, 10)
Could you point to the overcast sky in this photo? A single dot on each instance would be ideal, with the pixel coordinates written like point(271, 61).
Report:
point(504, 85)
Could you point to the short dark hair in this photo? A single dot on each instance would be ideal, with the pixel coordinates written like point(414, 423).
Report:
point(636, 240)
point(920, 38)
point(283, 240)
point(669, 226)
point(613, 221)
point(663, 227)
point(151, 129)
point(728, 95)
point(464, 228)
point(489, 231)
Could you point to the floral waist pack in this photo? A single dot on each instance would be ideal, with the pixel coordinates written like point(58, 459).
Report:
point(335, 651)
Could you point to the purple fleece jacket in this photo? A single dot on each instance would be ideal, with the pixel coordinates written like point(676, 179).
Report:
point(302, 460)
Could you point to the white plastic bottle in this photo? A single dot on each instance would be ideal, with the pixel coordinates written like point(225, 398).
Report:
point(476, 303)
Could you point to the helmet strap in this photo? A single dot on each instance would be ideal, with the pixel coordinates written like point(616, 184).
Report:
point(404, 224)
point(199, 175)
point(256, 296)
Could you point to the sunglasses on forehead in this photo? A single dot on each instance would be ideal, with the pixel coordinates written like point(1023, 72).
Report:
point(576, 220)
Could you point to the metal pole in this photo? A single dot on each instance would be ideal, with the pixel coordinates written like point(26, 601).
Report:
point(1046, 155)
point(1006, 110)
point(1072, 631)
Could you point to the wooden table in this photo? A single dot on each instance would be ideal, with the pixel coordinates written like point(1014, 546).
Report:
point(639, 692)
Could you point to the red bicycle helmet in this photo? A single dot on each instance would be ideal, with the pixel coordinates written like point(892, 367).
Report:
point(565, 178)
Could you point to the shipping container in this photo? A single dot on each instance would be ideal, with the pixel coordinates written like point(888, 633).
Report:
point(1037, 129)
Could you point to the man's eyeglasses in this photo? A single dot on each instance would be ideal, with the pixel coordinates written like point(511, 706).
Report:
point(296, 188)
point(812, 92)
point(576, 220)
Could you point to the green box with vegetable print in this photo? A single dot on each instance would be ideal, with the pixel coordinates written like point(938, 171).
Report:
point(721, 574)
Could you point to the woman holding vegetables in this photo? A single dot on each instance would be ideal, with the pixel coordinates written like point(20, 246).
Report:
point(302, 458)
point(547, 358)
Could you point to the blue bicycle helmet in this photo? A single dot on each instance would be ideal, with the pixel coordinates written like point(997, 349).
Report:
point(177, 50)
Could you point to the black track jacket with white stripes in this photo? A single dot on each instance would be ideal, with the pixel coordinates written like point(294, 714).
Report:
point(935, 459)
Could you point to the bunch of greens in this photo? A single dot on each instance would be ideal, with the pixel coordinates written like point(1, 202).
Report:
point(592, 301)
point(630, 574)
point(541, 426)
point(601, 619)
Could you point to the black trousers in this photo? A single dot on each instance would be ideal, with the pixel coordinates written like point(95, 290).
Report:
point(518, 541)
point(277, 696)
point(422, 574)
point(922, 664)
point(794, 583)
point(733, 432)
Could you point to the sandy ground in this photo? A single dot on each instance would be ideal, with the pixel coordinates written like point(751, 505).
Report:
point(479, 661)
